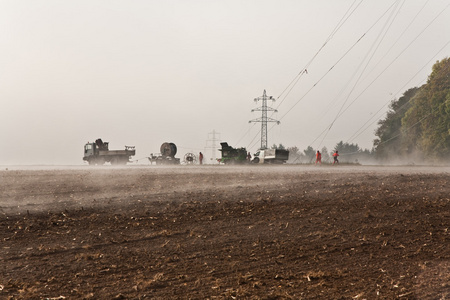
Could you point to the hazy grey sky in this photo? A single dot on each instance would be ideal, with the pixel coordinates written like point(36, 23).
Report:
point(146, 72)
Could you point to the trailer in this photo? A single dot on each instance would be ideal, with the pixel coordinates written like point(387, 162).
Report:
point(167, 155)
point(98, 153)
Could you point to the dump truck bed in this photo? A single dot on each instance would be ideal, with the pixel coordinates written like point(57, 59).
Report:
point(117, 152)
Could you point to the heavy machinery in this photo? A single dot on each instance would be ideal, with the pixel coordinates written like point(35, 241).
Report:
point(232, 155)
point(271, 156)
point(98, 153)
point(167, 155)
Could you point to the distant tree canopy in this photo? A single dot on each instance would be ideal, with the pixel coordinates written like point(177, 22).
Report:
point(310, 153)
point(326, 158)
point(387, 144)
point(352, 152)
point(293, 150)
point(347, 148)
point(417, 125)
point(419, 122)
point(280, 146)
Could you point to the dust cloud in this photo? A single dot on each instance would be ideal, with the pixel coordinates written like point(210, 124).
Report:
point(44, 188)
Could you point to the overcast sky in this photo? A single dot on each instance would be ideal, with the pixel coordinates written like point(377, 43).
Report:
point(147, 72)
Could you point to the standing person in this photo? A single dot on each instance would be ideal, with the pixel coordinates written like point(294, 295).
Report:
point(249, 156)
point(200, 158)
point(335, 156)
point(318, 157)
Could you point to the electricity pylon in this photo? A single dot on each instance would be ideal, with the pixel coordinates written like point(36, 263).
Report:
point(213, 137)
point(264, 119)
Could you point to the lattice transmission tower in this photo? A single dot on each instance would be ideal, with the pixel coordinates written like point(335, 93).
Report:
point(211, 144)
point(264, 118)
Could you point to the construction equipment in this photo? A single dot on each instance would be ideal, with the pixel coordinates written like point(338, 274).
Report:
point(271, 156)
point(232, 155)
point(167, 155)
point(98, 153)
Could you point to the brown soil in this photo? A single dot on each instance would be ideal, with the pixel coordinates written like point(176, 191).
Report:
point(225, 233)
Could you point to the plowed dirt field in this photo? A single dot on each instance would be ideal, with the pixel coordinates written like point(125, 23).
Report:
point(225, 232)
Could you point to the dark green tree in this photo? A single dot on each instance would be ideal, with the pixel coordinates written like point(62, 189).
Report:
point(325, 155)
point(310, 154)
point(388, 143)
point(280, 146)
point(293, 150)
point(294, 155)
point(352, 153)
point(426, 125)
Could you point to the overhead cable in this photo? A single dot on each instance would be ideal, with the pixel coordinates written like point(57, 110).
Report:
point(376, 44)
point(384, 70)
point(341, 22)
point(339, 60)
point(356, 134)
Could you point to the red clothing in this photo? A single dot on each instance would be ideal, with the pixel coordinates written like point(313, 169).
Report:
point(318, 157)
point(335, 156)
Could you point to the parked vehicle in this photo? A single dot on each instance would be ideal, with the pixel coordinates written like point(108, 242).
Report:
point(273, 156)
point(98, 153)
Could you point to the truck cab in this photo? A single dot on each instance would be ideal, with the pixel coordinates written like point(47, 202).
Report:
point(89, 149)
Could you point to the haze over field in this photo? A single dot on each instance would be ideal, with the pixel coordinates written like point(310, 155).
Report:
point(148, 72)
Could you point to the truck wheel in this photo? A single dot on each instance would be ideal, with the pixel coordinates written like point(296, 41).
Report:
point(96, 161)
point(256, 160)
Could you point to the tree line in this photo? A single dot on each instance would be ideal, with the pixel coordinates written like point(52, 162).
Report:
point(417, 125)
point(416, 128)
point(348, 153)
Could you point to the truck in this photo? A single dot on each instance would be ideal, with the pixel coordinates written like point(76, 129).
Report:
point(98, 153)
point(167, 155)
point(232, 155)
point(271, 156)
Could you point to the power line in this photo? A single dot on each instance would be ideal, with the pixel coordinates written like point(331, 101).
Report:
point(296, 79)
point(398, 39)
point(382, 72)
point(401, 107)
point(339, 60)
point(432, 21)
point(376, 42)
point(353, 136)
point(246, 133)
point(406, 129)
point(389, 50)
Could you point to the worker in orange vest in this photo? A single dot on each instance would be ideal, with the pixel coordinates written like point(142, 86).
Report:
point(335, 156)
point(318, 157)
